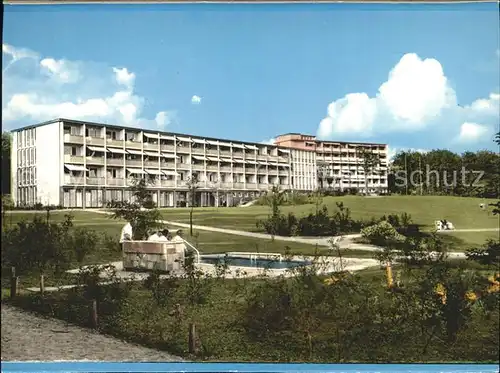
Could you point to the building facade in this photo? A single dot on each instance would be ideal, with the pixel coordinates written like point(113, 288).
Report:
point(341, 165)
point(80, 164)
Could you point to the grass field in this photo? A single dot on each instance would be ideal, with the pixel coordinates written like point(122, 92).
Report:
point(463, 212)
point(206, 242)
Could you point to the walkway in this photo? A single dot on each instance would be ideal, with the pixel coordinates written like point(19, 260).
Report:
point(27, 337)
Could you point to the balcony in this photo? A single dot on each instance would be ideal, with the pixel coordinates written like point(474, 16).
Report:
point(227, 153)
point(115, 162)
point(73, 158)
point(133, 144)
point(183, 149)
point(73, 139)
point(133, 162)
point(166, 147)
point(168, 183)
point(272, 172)
point(251, 185)
point(74, 180)
point(115, 181)
point(184, 166)
point(263, 186)
point(238, 186)
point(238, 169)
point(212, 151)
point(212, 167)
point(95, 141)
point(151, 146)
point(226, 168)
point(236, 154)
point(261, 157)
point(224, 185)
point(95, 181)
point(153, 164)
point(199, 167)
point(283, 173)
point(168, 165)
point(114, 142)
point(95, 160)
point(198, 150)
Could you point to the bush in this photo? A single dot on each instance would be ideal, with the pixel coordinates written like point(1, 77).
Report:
point(382, 234)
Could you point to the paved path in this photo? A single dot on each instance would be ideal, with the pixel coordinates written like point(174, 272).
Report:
point(27, 337)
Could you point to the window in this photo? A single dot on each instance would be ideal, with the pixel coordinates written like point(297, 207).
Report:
point(34, 176)
point(28, 137)
point(74, 150)
point(19, 176)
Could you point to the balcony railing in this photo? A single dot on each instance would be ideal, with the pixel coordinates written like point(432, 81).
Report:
point(168, 183)
point(95, 141)
point(262, 157)
point(200, 167)
point(74, 139)
point(225, 185)
point(226, 168)
point(184, 166)
point(283, 173)
point(168, 165)
point(133, 144)
point(95, 181)
point(114, 142)
point(74, 180)
point(115, 161)
point(132, 162)
point(212, 151)
point(165, 147)
point(263, 186)
point(238, 185)
point(115, 181)
point(226, 153)
point(197, 150)
point(212, 167)
point(153, 164)
point(238, 169)
point(95, 160)
point(251, 185)
point(151, 146)
point(183, 149)
point(272, 172)
point(73, 158)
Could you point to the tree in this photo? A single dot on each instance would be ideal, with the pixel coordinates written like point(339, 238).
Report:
point(141, 213)
point(369, 162)
point(193, 186)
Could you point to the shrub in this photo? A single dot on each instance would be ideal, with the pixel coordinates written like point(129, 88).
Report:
point(381, 234)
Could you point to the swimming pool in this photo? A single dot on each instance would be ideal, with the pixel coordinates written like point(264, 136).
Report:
point(252, 262)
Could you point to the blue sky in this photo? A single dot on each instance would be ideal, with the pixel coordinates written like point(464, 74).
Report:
point(414, 76)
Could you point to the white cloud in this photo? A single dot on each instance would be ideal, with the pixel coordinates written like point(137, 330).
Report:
point(395, 150)
point(472, 132)
point(195, 99)
point(416, 95)
point(123, 77)
point(102, 93)
point(269, 141)
point(61, 70)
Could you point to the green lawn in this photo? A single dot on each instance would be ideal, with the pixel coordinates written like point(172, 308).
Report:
point(463, 212)
point(206, 242)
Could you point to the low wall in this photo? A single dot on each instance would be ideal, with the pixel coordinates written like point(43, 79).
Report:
point(149, 255)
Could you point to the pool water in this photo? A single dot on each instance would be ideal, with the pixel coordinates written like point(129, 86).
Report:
point(241, 261)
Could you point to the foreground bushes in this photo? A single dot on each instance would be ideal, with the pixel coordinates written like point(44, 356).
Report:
point(302, 318)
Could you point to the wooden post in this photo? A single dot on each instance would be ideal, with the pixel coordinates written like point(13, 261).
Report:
point(93, 314)
point(390, 280)
point(14, 283)
point(192, 338)
point(42, 284)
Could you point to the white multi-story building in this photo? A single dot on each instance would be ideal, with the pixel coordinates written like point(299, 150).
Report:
point(81, 164)
point(340, 165)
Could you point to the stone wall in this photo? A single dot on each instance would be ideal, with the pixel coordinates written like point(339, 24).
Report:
point(149, 255)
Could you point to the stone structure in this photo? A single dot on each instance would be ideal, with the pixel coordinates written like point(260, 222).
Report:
point(149, 255)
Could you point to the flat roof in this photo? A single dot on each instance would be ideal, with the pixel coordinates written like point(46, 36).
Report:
point(66, 120)
point(329, 141)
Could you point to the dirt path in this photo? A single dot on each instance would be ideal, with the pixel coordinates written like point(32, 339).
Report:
point(27, 337)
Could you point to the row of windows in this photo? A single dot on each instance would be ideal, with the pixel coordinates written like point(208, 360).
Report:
point(26, 157)
point(26, 138)
point(27, 196)
point(26, 176)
